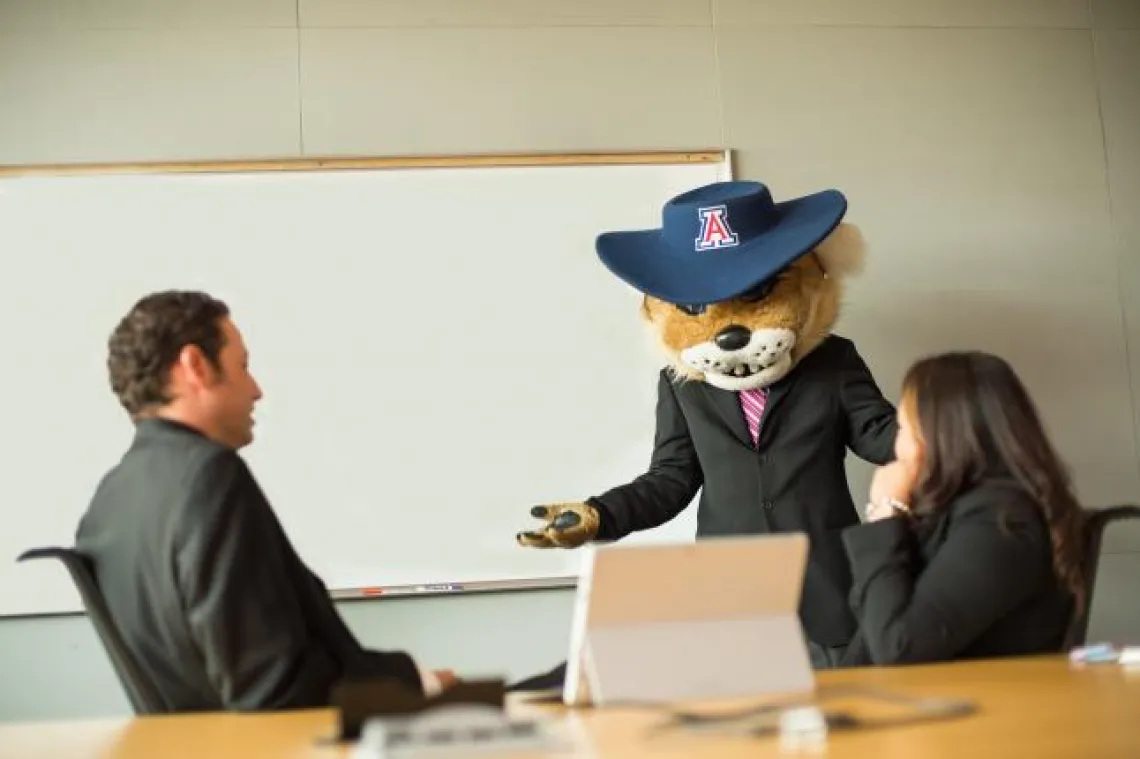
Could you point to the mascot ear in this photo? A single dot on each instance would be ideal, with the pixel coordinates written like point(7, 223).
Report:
point(646, 314)
point(842, 252)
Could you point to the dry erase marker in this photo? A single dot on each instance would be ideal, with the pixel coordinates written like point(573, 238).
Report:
point(372, 591)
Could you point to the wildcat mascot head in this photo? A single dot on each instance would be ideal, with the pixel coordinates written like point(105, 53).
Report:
point(739, 288)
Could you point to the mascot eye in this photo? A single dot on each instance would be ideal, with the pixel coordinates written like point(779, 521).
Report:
point(760, 292)
point(692, 310)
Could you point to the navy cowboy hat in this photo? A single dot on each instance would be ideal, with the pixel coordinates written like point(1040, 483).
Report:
point(719, 241)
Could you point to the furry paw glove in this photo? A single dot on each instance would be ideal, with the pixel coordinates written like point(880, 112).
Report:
point(568, 525)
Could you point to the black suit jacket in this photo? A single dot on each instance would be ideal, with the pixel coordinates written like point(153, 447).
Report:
point(793, 480)
point(973, 580)
point(206, 587)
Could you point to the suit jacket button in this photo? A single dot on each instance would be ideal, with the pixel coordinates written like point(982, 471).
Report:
point(763, 458)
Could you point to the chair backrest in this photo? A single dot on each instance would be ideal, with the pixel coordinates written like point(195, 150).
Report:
point(1095, 522)
point(140, 690)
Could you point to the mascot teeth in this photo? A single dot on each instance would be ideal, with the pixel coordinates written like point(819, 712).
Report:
point(762, 354)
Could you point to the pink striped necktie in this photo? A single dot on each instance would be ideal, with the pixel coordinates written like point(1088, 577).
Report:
point(752, 402)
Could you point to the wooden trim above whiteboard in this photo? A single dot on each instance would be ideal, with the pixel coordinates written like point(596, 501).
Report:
point(489, 160)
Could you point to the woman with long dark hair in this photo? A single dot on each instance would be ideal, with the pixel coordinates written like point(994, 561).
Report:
point(972, 544)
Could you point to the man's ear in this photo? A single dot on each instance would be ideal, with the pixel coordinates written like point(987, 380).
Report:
point(843, 251)
point(194, 367)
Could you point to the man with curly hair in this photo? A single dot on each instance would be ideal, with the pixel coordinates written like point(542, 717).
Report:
point(197, 571)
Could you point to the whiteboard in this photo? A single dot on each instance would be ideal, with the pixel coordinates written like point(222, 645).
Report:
point(440, 349)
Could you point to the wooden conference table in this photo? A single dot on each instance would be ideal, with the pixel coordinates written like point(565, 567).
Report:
point(1035, 707)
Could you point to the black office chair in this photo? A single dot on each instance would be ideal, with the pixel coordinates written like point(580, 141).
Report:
point(1095, 522)
point(140, 690)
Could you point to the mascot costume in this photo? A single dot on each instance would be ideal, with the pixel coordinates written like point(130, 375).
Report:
point(759, 401)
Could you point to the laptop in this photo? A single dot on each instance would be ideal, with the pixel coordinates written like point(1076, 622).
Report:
point(716, 618)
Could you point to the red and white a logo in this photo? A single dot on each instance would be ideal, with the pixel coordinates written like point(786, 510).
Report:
point(715, 232)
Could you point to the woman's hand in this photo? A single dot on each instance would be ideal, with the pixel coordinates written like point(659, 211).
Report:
point(447, 678)
point(891, 483)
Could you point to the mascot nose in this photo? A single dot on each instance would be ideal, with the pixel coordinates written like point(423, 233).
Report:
point(733, 337)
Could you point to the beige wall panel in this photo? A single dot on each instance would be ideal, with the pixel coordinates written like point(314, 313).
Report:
point(153, 95)
point(1118, 69)
point(962, 167)
point(359, 13)
point(1116, 14)
point(904, 13)
point(479, 90)
point(146, 14)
